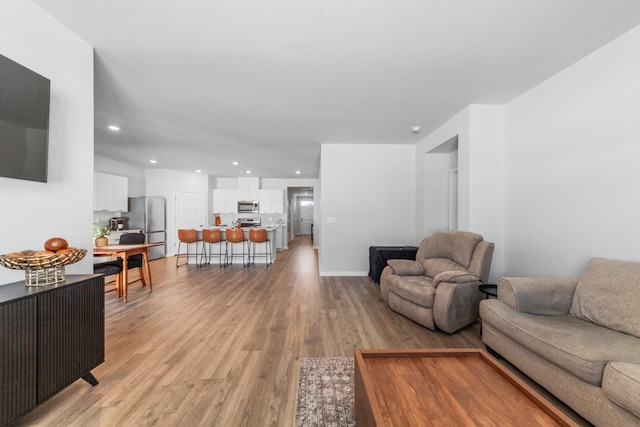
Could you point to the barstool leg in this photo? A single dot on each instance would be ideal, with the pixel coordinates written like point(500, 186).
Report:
point(268, 255)
point(268, 243)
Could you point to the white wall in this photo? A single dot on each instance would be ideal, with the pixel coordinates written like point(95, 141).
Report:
point(486, 180)
point(367, 195)
point(480, 133)
point(572, 170)
point(32, 212)
point(163, 183)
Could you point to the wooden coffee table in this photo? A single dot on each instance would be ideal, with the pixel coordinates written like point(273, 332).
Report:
point(446, 387)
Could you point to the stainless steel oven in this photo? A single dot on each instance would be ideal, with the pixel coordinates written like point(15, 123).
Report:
point(250, 222)
point(248, 206)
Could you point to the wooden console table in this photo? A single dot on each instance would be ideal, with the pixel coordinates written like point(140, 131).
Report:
point(50, 336)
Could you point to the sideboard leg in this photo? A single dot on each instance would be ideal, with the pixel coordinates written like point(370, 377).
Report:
point(88, 377)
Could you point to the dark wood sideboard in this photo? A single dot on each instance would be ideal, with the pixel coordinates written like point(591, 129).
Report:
point(50, 336)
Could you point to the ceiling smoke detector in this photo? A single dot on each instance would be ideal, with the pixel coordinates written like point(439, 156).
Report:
point(415, 129)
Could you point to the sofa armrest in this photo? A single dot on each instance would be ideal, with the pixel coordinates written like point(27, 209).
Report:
point(405, 267)
point(456, 304)
point(543, 296)
point(455, 277)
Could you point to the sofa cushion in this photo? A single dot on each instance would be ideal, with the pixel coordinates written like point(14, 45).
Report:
point(608, 294)
point(621, 383)
point(417, 289)
point(434, 266)
point(578, 346)
point(455, 245)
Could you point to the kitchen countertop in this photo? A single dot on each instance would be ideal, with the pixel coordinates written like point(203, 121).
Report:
point(269, 227)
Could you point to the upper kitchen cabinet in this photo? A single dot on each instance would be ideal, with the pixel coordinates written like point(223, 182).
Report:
point(225, 201)
point(248, 188)
point(110, 192)
point(271, 201)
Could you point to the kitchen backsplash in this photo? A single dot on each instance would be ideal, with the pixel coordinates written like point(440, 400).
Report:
point(102, 217)
point(266, 218)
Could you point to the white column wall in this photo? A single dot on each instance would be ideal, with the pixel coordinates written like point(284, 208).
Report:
point(32, 212)
point(367, 195)
point(572, 165)
point(486, 180)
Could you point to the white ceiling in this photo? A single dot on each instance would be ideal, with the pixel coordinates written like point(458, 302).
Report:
point(196, 84)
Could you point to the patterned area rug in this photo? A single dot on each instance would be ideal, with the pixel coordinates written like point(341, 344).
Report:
point(325, 393)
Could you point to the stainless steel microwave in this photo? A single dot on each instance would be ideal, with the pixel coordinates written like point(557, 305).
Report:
point(248, 206)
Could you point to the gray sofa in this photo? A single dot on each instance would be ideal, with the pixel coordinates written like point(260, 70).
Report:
point(578, 338)
point(440, 287)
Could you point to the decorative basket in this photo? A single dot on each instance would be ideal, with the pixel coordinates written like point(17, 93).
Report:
point(43, 270)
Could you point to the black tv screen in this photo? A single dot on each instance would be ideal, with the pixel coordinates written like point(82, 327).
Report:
point(24, 122)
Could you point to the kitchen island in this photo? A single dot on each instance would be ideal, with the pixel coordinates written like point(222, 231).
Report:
point(271, 234)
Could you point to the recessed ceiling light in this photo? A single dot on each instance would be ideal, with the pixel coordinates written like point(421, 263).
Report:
point(153, 161)
point(247, 172)
point(234, 163)
point(198, 171)
point(297, 172)
point(114, 128)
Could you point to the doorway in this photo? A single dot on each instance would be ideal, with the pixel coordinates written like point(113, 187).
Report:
point(441, 186)
point(301, 211)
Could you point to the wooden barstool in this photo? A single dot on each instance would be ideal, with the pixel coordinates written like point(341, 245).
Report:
point(259, 235)
point(189, 237)
point(211, 237)
point(235, 236)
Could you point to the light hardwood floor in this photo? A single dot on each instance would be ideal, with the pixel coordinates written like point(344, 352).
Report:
point(220, 346)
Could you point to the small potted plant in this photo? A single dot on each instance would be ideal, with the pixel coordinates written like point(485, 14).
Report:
point(100, 233)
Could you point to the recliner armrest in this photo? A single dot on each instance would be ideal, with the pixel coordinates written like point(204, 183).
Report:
point(543, 296)
point(455, 277)
point(405, 267)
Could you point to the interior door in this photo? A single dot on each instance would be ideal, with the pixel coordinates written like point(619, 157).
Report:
point(306, 215)
point(189, 212)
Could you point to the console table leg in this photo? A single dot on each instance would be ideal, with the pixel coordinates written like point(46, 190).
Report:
point(88, 377)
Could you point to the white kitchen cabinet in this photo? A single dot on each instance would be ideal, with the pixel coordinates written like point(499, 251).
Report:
point(248, 188)
point(110, 192)
point(225, 201)
point(271, 201)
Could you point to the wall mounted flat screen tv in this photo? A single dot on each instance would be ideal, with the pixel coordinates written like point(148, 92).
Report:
point(24, 122)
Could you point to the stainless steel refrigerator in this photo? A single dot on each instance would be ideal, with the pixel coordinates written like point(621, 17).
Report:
point(149, 215)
